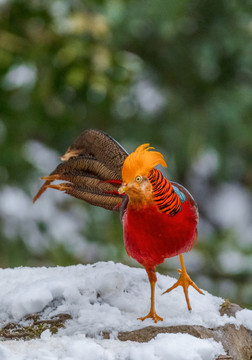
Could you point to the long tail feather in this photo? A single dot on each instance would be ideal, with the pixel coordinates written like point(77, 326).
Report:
point(104, 200)
point(84, 164)
point(41, 190)
point(84, 180)
point(99, 145)
point(92, 168)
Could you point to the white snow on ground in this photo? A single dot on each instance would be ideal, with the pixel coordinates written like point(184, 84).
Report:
point(164, 346)
point(105, 297)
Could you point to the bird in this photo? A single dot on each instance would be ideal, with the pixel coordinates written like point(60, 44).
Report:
point(159, 216)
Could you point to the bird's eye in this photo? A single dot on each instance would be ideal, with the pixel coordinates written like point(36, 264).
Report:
point(138, 178)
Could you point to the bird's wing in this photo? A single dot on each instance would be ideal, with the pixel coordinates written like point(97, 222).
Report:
point(92, 168)
point(123, 207)
point(188, 196)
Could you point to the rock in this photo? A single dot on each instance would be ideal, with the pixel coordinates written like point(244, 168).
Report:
point(229, 308)
point(34, 327)
point(237, 342)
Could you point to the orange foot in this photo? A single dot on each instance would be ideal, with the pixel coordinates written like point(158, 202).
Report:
point(152, 315)
point(185, 281)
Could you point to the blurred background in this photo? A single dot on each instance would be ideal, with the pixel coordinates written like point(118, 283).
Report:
point(175, 73)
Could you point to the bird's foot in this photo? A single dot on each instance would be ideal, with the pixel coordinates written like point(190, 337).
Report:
point(185, 281)
point(152, 315)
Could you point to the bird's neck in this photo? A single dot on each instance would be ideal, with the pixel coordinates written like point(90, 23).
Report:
point(164, 196)
point(139, 199)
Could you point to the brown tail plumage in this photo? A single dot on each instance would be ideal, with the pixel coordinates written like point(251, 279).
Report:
point(92, 168)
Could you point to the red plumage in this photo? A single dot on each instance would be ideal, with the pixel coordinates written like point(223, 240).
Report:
point(151, 236)
point(159, 217)
point(160, 220)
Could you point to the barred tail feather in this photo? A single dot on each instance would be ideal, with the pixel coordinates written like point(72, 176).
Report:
point(92, 168)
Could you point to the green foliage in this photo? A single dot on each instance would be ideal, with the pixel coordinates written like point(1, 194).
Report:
point(177, 74)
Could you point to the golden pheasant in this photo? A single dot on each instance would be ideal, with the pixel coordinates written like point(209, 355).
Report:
point(159, 216)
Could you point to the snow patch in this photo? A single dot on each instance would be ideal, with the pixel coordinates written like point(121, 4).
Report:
point(164, 346)
point(245, 317)
point(106, 297)
point(102, 297)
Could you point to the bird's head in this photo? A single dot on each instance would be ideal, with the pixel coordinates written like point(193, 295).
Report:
point(136, 169)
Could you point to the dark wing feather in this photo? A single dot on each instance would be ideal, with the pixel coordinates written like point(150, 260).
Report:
point(188, 197)
point(92, 166)
point(192, 202)
point(123, 207)
point(95, 197)
point(85, 165)
point(101, 146)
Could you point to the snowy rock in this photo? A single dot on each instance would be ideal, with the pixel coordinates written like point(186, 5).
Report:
point(103, 301)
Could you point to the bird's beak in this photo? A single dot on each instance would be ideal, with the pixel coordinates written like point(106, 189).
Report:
point(122, 189)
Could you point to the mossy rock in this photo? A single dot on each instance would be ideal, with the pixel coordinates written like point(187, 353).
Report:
point(34, 327)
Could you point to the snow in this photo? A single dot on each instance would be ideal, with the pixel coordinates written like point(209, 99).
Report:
point(245, 317)
point(164, 346)
point(105, 297)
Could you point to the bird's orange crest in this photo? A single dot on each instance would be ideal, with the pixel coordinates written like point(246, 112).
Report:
point(141, 162)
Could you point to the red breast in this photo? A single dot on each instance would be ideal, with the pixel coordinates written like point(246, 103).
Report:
point(151, 236)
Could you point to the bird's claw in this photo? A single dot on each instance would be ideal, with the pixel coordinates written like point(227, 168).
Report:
point(185, 281)
point(152, 315)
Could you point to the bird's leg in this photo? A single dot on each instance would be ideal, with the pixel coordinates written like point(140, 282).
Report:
point(185, 281)
point(152, 314)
